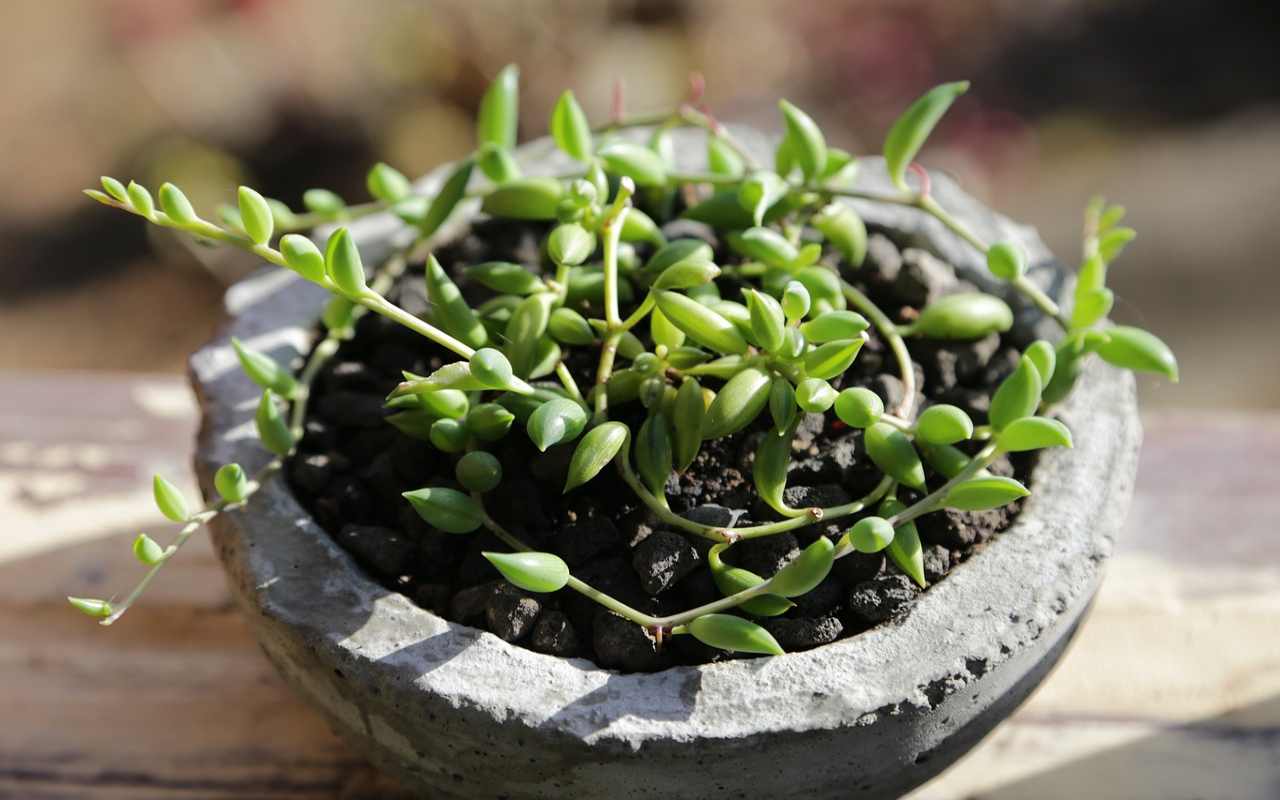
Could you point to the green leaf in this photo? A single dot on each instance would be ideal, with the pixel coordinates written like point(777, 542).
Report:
point(824, 289)
point(859, 407)
point(570, 129)
point(803, 573)
point(967, 315)
point(525, 198)
point(1068, 362)
point(686, 274)
point(140, 199)
point(676, 251)
point(1113, 242)
point(499, 109)
point(449, 310)
point(570, 244)
point(448, 435)
point(773, 456)
point(737, 404)
point(728, 632)
point(828, 360)
point(456, 375)
point(782, 405)
point(527, 325)
point(766, 245)
point(947, 460)
point(845, 230)
point(115, 188)
point(323, 201)
point(147, 550)
point(768, 324)
point(943, 424)
point(497, 163)
point(1136, 349)
point(273, 431)
point(1091, 306)
point(451, 403)
point(756, 195)
point(98, 609)
point(338, 314)
point(910, 131)
point(342, 262)
point(255, 215)
point(448, 510)
point(264, 371)
point(556, 421)
point(1044, 357)
point(1017, 396)
point(796, 301)
point(722, 159)
point(534, 572)
point(731, 580)
point(832, 325)
point(451, 193)
point(231, 482)
point(701, 323)
point(505, 277)
point(905, 549)
point(302, 256)
point(570, 327)
point(871, 534)
point(840, 164)
point(1006, 261)
point(653, 453)
point(638, 226)
point(690, 419)
point(815, 395)
point(169, 500)
point(1033, 433)
point(489, 422)
point(175, 204)
point(386, 183)
point(638, 163)
point(478, 471)
point(721, 211)
point(808, 144)
point(663, 332)
point(891, 451)
point(596, 449)
point(980, 494)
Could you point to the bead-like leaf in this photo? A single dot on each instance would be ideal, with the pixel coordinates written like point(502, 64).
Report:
point(1033, 433)
point(773, 456)
point(831, 359)
point(387, 183)
point(1006, 261)
point(859, 407)
point(737, 403)
point(1113, 242)
point(570, 244)
point(663, 332)
point(910, 131)
point(231, 482)
point(1091, 306)
point(804, 572)
point(768, 324)
point(834, 325)
point(1017, 396)
point(98, 609)
point(796, 301)
point(638, 163)
point(943, 424)
point(505, 277)
point(451, 193)
point(302, 256)
point(722, 159)
point(527, 325)
point(728, 632)
point(596, 449)
point(323, 201)
point(686, 274)
point(446, 509)
point(255, 215)
point(489, 422)
point(782, 404)
point(689, 416)
point(169, 500)
point(967, 315)
point(556, 421)
point(533, 572)
point(824, 289)
point(654, 458)
point(808, 145)
point(1136, 349)
point(175, 204)
point(757, 194)
point(499, 109)
point(905, 549)
point(448, 435)
point(766, 245)
point(845, 230)
point(638, 226)
point(525, 198)
point(980, 494)
point(264, 371)
point(676, 251)
point(570, 327)
point(947, 460)
point(273, 430)
point(871, 534)
point(449, 310)
point(115, 188)
point(701, 323)
point(478, 471)
point(1043, 355)
point(141, 200)
point(815, 395)
point(342, 262)
point(147, 550)
point(570, 129)
point(497, 163)
point(891, 451)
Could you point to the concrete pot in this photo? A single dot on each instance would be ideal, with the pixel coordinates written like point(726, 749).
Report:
point(457, 712)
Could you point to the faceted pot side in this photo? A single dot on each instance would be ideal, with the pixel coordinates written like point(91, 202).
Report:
point(457, 712)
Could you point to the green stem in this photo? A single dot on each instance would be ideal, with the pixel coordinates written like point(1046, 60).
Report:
point(570, 385)
point(889, 331)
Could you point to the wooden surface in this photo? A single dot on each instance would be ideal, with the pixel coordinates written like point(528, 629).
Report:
point(1172, 690)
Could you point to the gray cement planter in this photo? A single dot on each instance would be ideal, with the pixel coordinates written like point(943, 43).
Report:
point(457, 712)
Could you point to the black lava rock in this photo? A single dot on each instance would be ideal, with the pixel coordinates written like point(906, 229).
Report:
point(821, 600)
point(662, 559)
point(823, 496)
point(802, 633)
point(937, 562)
point(878, 599)
point(434, 597)
point(960, 529)
point(922, 279)
point(350, 409)
point(383, 551)
point(583, 541)
point(714, 515)
point(311, 473)
point(766, 555)
point(622, 644)
point(468, 606)
point(511, 612)
point(554, 635)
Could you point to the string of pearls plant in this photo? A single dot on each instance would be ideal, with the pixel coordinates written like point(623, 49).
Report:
point(703, 366)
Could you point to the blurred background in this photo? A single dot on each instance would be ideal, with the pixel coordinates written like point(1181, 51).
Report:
point(1172, 109)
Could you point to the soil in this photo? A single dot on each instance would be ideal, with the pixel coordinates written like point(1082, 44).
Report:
point(351, 467)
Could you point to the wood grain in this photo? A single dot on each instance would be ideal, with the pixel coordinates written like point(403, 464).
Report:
point(1171, 691)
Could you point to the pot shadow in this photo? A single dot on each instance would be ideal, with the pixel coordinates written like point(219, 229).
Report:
point(1232, 756)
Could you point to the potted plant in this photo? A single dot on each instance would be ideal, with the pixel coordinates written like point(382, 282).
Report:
point(621, 417)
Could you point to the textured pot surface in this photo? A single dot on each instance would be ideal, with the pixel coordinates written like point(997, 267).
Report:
point(457, 712)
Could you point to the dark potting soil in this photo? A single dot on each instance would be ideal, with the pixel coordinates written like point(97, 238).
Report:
point(351, 468)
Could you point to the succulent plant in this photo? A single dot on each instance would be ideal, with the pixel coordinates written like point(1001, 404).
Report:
point(705, 349)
